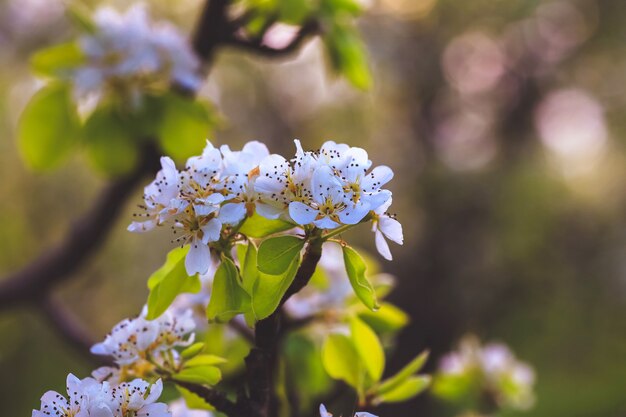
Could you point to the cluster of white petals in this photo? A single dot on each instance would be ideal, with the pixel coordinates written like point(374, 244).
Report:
point(327, 188)
point(325, 413)
point(88, 397)
point(133, 343)
point(129, 54)
point(510, 379)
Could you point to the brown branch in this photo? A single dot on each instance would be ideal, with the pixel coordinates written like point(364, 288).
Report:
point(256, 46)
point(261, 361)
point(82, 240)
point(217, 399)
point(72, 331)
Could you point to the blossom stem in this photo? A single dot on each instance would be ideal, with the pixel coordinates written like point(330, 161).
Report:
point(337, 231)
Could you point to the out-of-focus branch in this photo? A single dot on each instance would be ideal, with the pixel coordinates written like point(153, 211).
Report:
point(83, 238)
point(214, 397)
point(308, 30)
point(67, 326)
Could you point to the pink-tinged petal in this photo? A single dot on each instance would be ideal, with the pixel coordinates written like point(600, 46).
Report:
point(382, 246)
point(211, 231)
point(268, 211)
point(391, 228)
point(232, 213)
point(326, 223)
point(379, 176)
point(198, 259)
point(301, 213)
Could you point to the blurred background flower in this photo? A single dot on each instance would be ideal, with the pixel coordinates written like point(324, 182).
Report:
point(504, 122)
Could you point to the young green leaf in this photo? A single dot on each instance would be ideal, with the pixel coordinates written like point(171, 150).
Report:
point(348, 56)
point(194, 401)
point(169, 281)
point(408, 389)
point(388, 318)
point(111, 143)
point(405, 373)
point(342, 361)
point(228, 298)
point(48, 128)
point(184, 126)
point(269, 290)
point(369, 348)
point(55, 60)
point(204, 360)
point(248, 262)
point(192, 350)
point(276, 254)
point(205, 375)
point(355, 267)
point(258, 226)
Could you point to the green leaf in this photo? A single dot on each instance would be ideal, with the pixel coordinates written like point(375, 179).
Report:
point(192, 350)
point(55, 60)
point(228, 298)
point(248, 262)
point(204, 360)
point(184, 126)
point(194, 401)
point(258, 226)
point(169, 281)
point(408, 389)
point(348, 56)
point(294, 11)
point(355, 267)
point(369, 348)
point(335, 7)
point(388, 318)
point(111, 143)
point(205, 375)
point(48, 128)
point(270, 289)
point(342, 361)
point(405, 373)
point(276, 254)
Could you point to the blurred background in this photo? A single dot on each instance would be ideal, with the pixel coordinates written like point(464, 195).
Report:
point(505, 122)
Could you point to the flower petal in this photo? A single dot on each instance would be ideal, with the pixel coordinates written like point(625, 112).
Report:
point(391, 228)
point(301, 213)
point(198, 259)
point(382, 246)
point(232, 213)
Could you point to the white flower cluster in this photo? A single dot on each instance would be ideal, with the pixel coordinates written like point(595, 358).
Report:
point(327, 188)
point(129, 54)
point(134, 343)
point(504, 375)
point(89, 397)
point(325, 413)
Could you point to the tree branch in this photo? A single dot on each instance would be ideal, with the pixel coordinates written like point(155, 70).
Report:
point(216, 398)
point(306, 31)
point(67, 326)
point(261, 361)
point(81, 241)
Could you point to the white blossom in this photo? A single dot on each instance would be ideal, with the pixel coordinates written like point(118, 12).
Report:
point(385, 226)
point(139, 339)
point(179, 409)
point(89, 397)
point(128, 54)
point(509, 379)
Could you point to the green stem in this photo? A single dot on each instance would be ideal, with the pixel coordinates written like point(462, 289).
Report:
point(337, 231)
